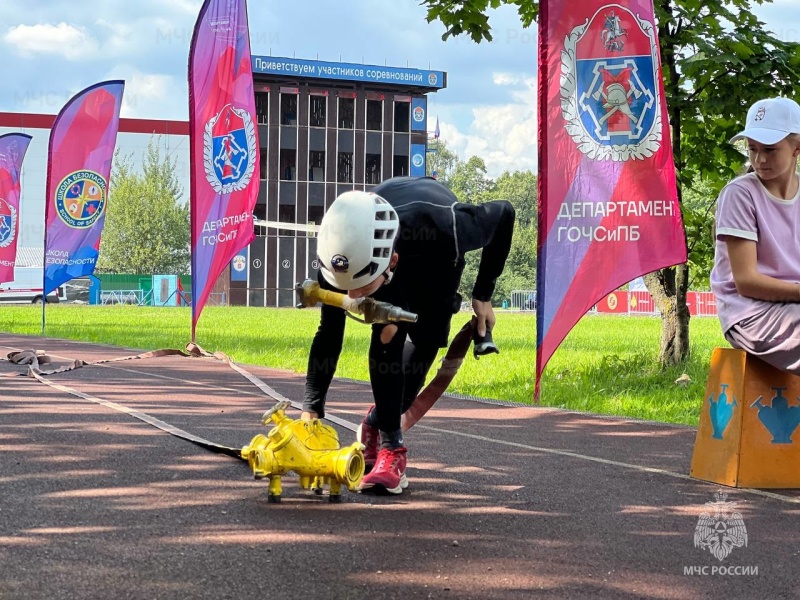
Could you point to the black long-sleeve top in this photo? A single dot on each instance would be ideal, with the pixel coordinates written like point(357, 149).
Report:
point(435, 232)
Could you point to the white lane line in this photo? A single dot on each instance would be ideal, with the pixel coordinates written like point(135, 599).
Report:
point(606, 461)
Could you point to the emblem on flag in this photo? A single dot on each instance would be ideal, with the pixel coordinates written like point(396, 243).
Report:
point(81, 198)
point(8, 223)
point(609, 84)
point(229, 146)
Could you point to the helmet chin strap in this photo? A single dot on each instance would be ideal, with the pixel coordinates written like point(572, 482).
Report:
point(387, 275)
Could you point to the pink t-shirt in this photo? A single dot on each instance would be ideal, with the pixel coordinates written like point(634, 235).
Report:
point(745, 209)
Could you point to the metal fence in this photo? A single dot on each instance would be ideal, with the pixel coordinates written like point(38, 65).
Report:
point(145, 298)
point(523, 300)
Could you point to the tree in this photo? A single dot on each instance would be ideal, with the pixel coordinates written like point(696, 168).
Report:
point(442, 160)
point(698, 220)
point(470, 184)
point(519, 188)
point(717, 59)
point(469, 181)
point(147, 228)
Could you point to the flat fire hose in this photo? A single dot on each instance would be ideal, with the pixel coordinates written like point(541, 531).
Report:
point(196, 350)
point(450, 365)
point(35, 358)
point(421, 405)
point(166, 427)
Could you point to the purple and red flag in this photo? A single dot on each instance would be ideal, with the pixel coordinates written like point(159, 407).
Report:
point(608, 205)
point(12, 153)
point(81, 151)
point(224, 150)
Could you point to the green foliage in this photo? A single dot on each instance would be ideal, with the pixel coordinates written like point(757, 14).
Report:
point(443, 161)
point(520, 271)
point(519, 188)
point(606, 364)
point(147, 227)
point(698, 205)
point(470, 17)
point(470, 183)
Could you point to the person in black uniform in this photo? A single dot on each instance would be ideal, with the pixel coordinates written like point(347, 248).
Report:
point(402, 243)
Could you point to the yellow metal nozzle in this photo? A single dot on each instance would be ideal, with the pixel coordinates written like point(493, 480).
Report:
point(374, 311)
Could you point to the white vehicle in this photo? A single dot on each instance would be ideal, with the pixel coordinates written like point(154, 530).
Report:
point(27, 288)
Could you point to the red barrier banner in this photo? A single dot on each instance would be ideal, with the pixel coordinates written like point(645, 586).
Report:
point(615, 303)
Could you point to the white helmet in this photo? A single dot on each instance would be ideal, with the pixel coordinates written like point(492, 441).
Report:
point(356, 239)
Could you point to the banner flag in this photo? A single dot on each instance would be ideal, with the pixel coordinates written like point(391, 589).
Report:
point(608, 205)
point(12, 152)
point(81, 150)
point(224, 150)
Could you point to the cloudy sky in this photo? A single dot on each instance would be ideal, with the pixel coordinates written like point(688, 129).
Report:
point(51, 49)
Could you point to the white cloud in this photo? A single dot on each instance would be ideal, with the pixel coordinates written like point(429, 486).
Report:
point(151, 95)
point(119, 38)
point(65, 40)
point(505, 78)
point(503, 135)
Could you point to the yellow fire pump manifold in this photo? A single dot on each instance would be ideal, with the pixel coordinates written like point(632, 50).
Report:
point(310, 449)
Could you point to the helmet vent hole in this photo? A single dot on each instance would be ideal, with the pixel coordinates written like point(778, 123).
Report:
point(382, 215)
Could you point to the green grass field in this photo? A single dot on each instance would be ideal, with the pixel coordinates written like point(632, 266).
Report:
point(607, 364)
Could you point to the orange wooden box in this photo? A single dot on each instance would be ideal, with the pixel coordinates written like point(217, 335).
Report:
point(747, 436)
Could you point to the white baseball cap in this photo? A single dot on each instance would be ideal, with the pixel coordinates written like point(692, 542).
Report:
point(771, 120)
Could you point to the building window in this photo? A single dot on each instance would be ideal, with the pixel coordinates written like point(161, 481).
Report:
point(316, 110)
point(263, 162)
point(402, 116)
point(400, 166)
point(262, 108)
point(286, 215)
point(288, 109)
point(315, 214)
point(372, 169)
point(344, 167)
point(288, 165)
point(347, 113)
point(316, 165)
point(260, 214)
point(374, 115)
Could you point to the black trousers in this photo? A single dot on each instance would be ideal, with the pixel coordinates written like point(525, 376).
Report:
point(397, 371)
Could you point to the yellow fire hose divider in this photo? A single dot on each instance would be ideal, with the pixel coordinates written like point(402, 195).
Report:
point(310, 449)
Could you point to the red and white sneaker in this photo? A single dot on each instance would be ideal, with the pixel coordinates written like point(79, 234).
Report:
point(389, 474)
point(371, 438)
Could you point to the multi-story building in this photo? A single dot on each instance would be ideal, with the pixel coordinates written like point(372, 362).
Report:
point(324, 128)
